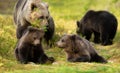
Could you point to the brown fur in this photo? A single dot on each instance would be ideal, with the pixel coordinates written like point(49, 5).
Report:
point(79, 50)
point(33, 13)
point(29, 47)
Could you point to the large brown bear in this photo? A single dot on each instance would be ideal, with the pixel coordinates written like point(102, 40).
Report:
point(79, 50)
point(29, 47)
point(33, 13)
point(101, 23)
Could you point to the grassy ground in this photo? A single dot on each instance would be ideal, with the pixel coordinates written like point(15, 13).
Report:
point(65, 14)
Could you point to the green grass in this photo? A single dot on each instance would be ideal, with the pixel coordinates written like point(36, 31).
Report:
point(65, 14)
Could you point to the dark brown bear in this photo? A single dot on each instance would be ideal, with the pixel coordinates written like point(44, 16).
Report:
point(33, 13)
point(79, 50)
point(29, 47)
point(101, 23)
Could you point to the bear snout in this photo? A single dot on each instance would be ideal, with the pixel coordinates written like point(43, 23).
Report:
point(57, 43)
point(60, 44)
point(36, 42)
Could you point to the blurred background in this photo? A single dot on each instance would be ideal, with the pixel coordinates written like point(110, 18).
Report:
point(7, 6)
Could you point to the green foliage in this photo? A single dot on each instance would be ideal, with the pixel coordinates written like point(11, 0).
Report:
point(65, 14)
point(7, 36)
point(36, 23)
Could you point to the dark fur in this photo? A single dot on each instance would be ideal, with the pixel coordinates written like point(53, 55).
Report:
point(50, 31)
point(22, 17)
point(101, 23)
point(79, 50)
point(28, 51)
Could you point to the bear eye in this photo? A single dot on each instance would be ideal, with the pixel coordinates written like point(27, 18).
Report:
point(41, 17)
point(63, 40)
point(47, 17)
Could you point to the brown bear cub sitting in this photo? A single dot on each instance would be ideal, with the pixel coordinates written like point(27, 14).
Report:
point(79, 49)
point(29, 47)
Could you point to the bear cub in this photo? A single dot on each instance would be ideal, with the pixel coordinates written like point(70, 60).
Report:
point(29, 47)
point(79, 50)
point(102, 24)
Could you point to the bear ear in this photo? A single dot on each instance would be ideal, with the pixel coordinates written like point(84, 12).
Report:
point(73, 37)
point(46, 4)
point(37, 1)
point(78, 23)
